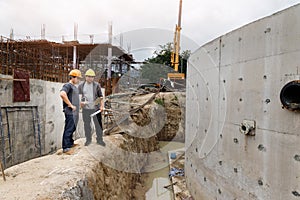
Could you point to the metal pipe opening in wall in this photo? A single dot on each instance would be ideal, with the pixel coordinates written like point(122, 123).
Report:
point(290, 95)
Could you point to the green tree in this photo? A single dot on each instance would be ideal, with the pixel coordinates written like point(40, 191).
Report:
point(162, 56)
point(159, 65)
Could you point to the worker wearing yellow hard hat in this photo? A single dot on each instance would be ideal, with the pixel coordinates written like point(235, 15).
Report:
point(90, 73)
point(91, 93)
point(70, 96)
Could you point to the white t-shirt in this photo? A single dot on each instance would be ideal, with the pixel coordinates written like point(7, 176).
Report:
point(88, 93)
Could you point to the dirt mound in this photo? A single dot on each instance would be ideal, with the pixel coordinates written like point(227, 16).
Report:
point(160, 114)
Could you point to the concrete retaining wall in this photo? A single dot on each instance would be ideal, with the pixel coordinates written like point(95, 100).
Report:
point(238, 77)
point(44, 95)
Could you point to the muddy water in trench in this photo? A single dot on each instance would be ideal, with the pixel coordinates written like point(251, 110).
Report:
point(158, 177)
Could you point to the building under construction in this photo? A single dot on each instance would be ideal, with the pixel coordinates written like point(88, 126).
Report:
point(51, 61)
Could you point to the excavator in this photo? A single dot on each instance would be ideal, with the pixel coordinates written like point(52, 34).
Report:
point(176, 48)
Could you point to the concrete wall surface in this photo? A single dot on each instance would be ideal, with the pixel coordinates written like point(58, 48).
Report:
point(240, 142)
point(20, 139)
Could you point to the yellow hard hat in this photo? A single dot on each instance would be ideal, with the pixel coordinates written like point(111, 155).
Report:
point(90, 72)
point(75, 72)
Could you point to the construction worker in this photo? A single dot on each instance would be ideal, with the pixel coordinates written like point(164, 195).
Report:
point(91, 102)
point(70, 96)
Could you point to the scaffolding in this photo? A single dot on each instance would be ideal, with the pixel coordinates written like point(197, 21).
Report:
point(51, 61)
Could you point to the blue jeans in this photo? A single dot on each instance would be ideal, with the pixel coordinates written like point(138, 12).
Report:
point(70, 126)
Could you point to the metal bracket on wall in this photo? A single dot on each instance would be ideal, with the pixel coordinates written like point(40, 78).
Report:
point(247, 127)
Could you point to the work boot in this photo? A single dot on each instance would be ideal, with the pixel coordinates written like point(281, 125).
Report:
point(68, 151)
point(102, 143)
point(75, 145)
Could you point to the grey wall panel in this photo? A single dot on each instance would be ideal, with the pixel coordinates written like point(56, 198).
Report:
point(237, 77)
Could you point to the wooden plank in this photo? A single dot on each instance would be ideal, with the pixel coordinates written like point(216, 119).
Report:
point(2, 78)
point(2, 171)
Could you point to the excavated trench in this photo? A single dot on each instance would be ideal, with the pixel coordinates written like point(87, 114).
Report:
point(140, 160)
point(118, 174)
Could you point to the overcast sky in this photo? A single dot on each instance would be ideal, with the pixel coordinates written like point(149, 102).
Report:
point(202, 20)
